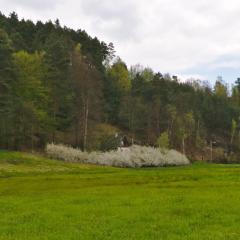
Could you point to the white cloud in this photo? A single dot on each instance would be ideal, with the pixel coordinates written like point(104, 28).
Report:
point(186, 77)
point(168, 35)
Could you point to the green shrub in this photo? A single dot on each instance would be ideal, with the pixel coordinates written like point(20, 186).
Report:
point(103, 138)
point(163, 141)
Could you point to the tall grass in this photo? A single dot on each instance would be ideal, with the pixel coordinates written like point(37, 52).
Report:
point(134, 157)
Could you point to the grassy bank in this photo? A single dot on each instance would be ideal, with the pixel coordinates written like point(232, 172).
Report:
point(47, 199)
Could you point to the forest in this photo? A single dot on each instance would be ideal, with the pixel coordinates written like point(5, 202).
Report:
point(61, 85)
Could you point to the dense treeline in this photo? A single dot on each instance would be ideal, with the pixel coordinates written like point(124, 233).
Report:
point(61, 85)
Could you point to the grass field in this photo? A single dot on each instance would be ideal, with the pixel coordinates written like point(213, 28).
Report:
point(47, 199)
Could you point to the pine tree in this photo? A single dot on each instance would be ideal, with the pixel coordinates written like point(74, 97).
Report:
point(6, 81)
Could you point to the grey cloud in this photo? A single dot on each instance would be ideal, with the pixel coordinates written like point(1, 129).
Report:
point(36, 5)
point(118, 19)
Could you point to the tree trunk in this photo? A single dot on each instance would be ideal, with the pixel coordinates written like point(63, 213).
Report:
point(53, 132)
point(158, 124)
point(211, 146)
point(183, 145)
point(77, 129)
point(171, 132)
point(85, 131)
point(32, 138)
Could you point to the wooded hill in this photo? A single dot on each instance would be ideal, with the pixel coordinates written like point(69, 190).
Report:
point(61, 85)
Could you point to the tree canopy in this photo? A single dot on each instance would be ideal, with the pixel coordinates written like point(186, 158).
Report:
point(60, 85)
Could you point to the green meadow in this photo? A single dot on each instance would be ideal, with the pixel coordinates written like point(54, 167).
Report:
point(47, 199)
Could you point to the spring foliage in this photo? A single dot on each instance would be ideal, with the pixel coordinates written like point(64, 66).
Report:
point(163, 140)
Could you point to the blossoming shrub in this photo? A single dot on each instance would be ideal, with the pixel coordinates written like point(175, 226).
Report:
point(134, 157)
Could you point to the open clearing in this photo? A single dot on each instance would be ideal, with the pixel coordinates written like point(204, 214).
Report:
point(47, 199)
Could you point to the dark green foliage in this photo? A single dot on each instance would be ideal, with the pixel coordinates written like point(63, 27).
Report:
point(49, 106)
point(57, 60)
point(6, 82)
point(110, 143)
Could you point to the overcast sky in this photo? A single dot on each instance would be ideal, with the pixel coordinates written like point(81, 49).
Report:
point(184, 37)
